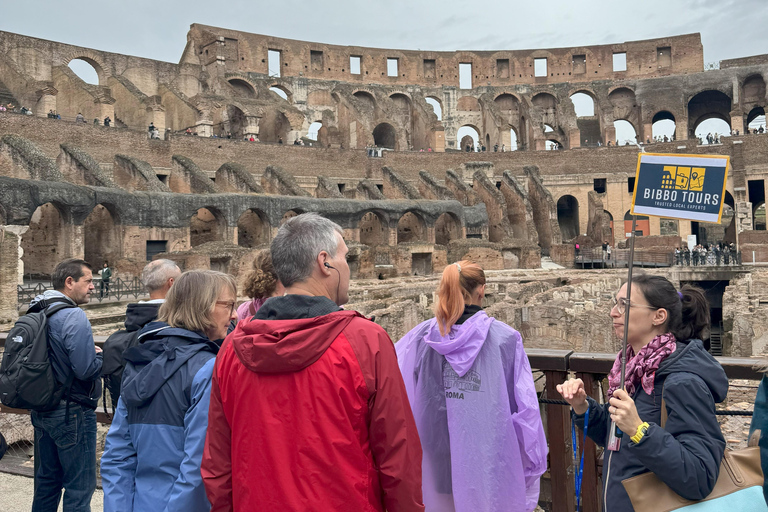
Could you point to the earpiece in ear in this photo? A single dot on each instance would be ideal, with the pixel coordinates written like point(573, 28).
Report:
point(326, 265)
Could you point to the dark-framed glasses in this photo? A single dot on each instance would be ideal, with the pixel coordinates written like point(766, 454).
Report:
point(228, 303)
point(622, 303)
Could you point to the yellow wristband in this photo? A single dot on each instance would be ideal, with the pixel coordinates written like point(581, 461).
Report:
point(641, 431)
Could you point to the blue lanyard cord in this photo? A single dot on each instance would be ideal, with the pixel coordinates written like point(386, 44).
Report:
point(579, 475)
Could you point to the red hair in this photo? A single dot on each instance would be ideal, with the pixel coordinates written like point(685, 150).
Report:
point(455, 291)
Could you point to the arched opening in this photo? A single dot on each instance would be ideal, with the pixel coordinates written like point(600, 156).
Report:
point(410, 228)
point(709, 105)
point(102, 236)
point(283, 93)
point(384, 136)
point(712, 130)
point(625, 132)
point(86, 69)
point(274, 126)
point(242, 88)
point(206, 225)
point(568, 217)
point(253, 228)
point(609, 216)
point(290, 214)
point(373, 230)
point(44, 244)
point(447, 228)
point(366, 99)
point(759, 218)
point(753, 91)
point(583, 104)
point(548, 129)
point(507, 104)
point(402, 103)
point(756, 120)
point(642, 227)
point(663, 128)
point(552, 145)
point(436, 106)
point(512, 140)
point(467, 137)
point(234, 124)
point(318, 133)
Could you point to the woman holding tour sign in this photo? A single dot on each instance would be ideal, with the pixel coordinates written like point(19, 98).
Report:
point(665, 357)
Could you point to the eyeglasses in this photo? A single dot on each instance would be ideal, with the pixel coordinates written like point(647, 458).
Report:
point(227, 303)
point(622, 303)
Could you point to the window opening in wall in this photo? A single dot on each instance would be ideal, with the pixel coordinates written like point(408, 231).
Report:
point(512, 141)
point(380, 187)
point(540, 67)
point(583, 104)
point(436, 107)
point(631, 185)
point(391, 67)
point(620, 61)
point(273, 56)
point(279, 92)
point(429, 68)
point(625, 132)
point(498, 184)
point(313, 129)
point(465, 75)
point(600, 185)
point(502, 68)
point(85, 71)
point(155, 247)
point(354, 64)
point(316, 60)
point(341, 186)
point(757, 123)
point(664, 57)
point(163, 178)
point(579, 64)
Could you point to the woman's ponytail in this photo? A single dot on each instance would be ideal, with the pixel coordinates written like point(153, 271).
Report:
point(458, 282)
point(695, 318)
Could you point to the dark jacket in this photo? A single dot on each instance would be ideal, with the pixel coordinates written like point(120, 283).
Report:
point(760, 422)
point(309, 412)
point(72, 350)
point(153, 449)
point(686, 454)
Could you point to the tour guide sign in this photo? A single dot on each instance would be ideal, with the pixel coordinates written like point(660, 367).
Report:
point(687, 187)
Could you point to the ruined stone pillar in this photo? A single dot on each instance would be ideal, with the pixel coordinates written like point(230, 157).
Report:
point(204, 128)
point(156, 115)
point(737, 121)
point(681, 128)
point(251, 126)
point(647, 133)
point(106, 109)
point(609, 134)
point(574, 138)
point(11, 272)
point(47, 101)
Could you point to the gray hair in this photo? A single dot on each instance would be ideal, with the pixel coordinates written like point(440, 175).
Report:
point(297, 244)
point(157, 273)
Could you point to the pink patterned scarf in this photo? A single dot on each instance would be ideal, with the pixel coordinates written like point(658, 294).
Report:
point(641, 368)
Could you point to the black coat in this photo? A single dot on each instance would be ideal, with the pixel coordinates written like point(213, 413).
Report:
point(686, 454)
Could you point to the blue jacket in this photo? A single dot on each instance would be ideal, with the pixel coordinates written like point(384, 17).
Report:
point(154, 447)
point(686, 454)
point(760, 422)
point(72, 350)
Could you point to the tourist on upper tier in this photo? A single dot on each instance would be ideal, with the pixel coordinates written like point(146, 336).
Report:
point(80, 118)
point(308, 408)
point(261, 283)
point(154, 447)
point(107, 121)
point(473, 397)
point(667, 360)
point(65, 437)
point(188, 131)
point(760, 422)
point(151, 127)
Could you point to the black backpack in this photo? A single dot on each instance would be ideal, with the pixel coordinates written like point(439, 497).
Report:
point(27, 380)
point(114, 364)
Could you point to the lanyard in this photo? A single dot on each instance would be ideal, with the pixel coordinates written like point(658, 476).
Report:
point(578, 475)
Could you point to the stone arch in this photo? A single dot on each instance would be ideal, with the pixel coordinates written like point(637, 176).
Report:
point(568, 217)
point(753, 91)
point(447, 228)
point(253, 228)
point(663, 124)
point(207, 225)
point(92, 60)
point(402, 103)
point(709, 104)
point(468, 104)
point(290, 214)
point(467, 134)
point(625, 131)
point(242, 87)
point(102, 236)
point(366, 98)
point(274, 126)
point(282, 91)
point(45, 243)
point(233, 121)
point(508, 103)
point(585, 104)
point(319, 133)
point(545, 101)
point(411, 228)
point(624, 104)
point(384, 136)
point(373, 229)
point(437, 106)
point(755, 118)
point(588, 119)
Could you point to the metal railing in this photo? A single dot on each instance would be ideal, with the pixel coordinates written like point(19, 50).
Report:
point(594, 258)
point(708, 259)
point(555, 366)
point(117, 289)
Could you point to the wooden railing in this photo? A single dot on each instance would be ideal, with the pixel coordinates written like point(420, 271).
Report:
point(557, 366)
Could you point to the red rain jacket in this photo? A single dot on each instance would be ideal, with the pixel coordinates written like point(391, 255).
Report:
point(311, 414)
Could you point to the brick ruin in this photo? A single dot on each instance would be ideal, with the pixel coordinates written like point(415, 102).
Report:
point(111, 193)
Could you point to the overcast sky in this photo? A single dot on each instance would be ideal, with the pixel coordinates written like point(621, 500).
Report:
point(157, 29)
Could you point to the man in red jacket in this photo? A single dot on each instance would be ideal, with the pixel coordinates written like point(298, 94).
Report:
point(308, 407)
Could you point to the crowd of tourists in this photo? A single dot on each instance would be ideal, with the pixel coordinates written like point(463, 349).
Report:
point(289, 402)
point(707, 254)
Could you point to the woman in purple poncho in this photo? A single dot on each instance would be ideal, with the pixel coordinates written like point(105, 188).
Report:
point(472, 395)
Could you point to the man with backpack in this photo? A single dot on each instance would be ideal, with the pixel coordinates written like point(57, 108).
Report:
point(157, 277)
point(65, 436)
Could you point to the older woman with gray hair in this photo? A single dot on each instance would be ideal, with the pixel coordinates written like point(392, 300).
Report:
point(154, 447)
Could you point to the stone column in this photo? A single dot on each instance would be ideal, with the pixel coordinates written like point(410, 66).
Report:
point(11, 272)
point(46, 101)
point(204, 128)
point(251, 126)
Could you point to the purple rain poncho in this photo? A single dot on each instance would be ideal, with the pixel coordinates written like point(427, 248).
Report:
point(476, 409)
